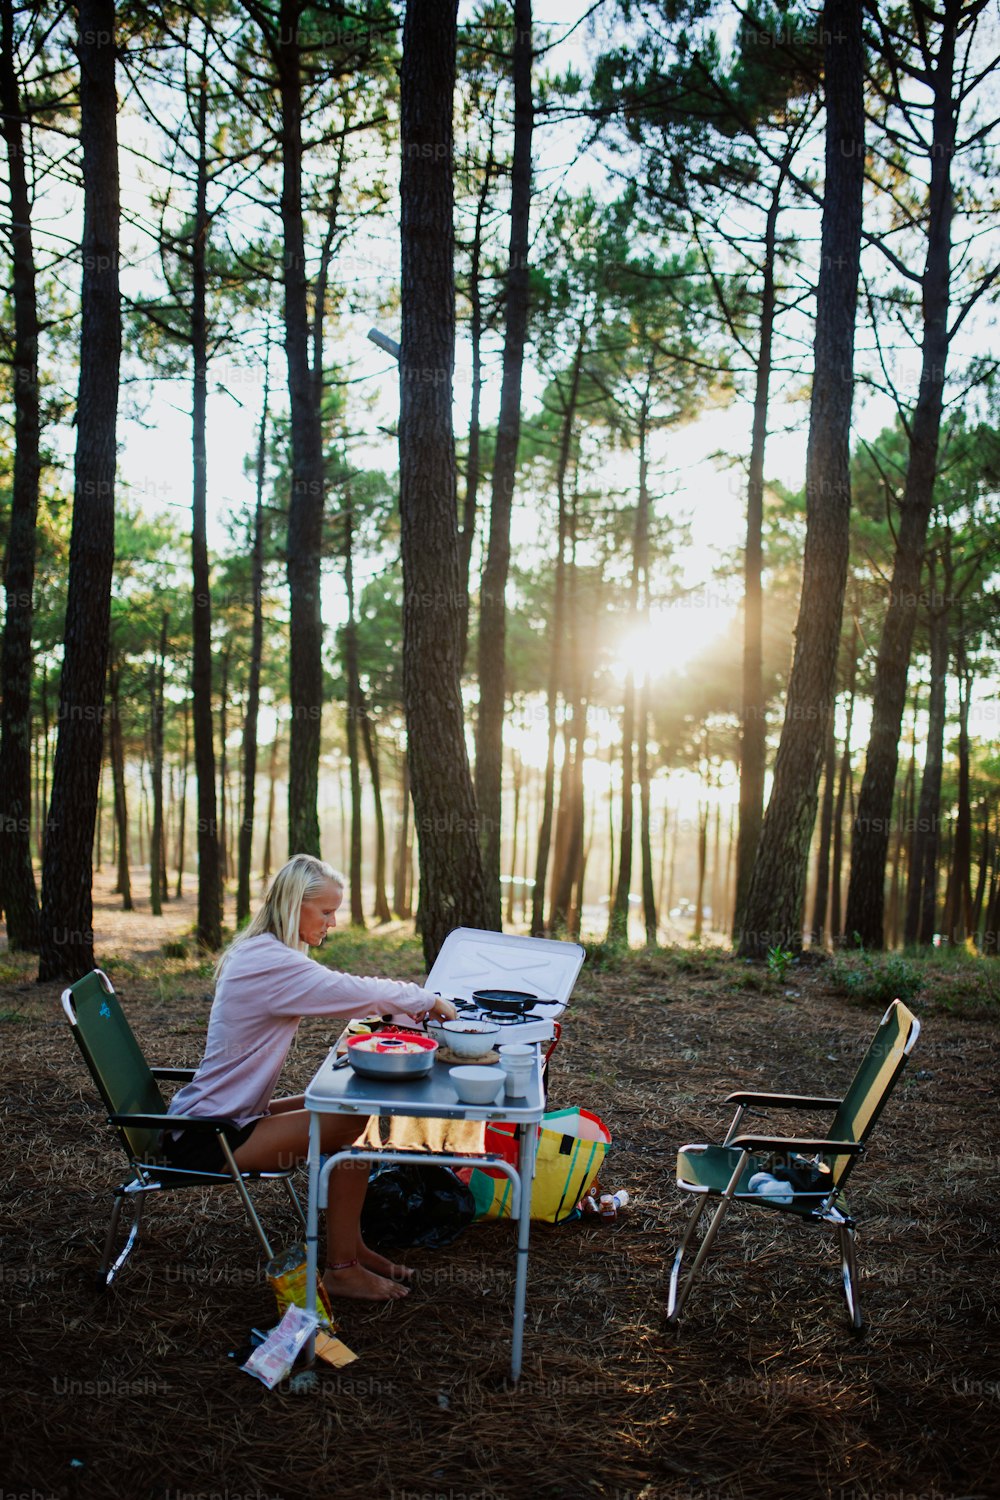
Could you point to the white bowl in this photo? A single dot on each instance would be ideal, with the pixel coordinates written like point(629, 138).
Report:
point(477, 1085)
point(469, 1038)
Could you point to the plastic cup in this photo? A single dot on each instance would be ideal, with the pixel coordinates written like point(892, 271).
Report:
point(517, 1060)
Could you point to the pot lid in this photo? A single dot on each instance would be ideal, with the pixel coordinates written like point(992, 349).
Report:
point(473, 959)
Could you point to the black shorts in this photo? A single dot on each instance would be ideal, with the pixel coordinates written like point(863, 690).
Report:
point(200, 1151)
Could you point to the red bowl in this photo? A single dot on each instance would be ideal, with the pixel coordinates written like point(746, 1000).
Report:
point(384, 1057)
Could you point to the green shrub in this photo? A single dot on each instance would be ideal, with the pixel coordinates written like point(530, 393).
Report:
point(879, 979)
point(753, 979)
point(607, 956)
point(778, 960)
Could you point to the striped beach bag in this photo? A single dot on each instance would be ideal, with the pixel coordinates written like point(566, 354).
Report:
point(572, 1145)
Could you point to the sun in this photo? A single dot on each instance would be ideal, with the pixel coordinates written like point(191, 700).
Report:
point(672, 637)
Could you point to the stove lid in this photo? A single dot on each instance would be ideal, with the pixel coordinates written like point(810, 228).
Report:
point(472, 959)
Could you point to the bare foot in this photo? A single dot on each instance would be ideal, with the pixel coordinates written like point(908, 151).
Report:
point(358, 1282)
point(383, 1266)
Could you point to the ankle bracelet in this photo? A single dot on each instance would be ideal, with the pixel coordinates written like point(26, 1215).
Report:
point(343, 1265)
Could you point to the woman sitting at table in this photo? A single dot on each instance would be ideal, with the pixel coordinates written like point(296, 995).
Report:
point(265, 983)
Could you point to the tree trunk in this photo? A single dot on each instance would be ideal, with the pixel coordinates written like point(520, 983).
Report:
point(904, 820)
point(985, 861)
point(958, 917)
point(565, 847)
point(673, 866)
point(42, 765)
point(356, 903)
point(568, 866)
point(991, 926)
point(843, 788)
point(773, 909)
point(244, 857)
point(560, 841)
point(555, 644)
point(67, 936)
point(157, 884)
point(753, 731)
point(821, 898)
point(381, 911)
point(866, 891)
point(492, 604)
point(528, 822)
point(305, 509)
point(467, 533)
point(586, 850)
point(730, 885)
point(990, 940)
point(182, 810)
point(700, 881)
point(208, 927)
point(515, 824)
point(18, 896)
point(618, 923)
point(143, 812)
point(401, 868)
point(715, 884)
point(224, 869)
point(99, 833)
point(921, 895)
point(645, 842)
point(612, 841)
point(272, 785)
point(117, 756)
point(452, 890)
point(353, 685)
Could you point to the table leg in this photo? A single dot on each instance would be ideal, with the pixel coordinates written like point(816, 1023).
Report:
point(526, 1171)
point(312, 1227)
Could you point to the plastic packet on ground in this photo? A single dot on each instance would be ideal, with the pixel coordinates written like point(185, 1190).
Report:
point(274, 1358)
point(334, 1351)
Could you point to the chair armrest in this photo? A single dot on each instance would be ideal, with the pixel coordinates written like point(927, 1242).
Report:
point(182, 1075)
point(203, 1123)
point(782, 1101)
point(805, 1145)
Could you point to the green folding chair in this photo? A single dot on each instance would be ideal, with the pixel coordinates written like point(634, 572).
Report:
point(130, 1090)
point(816, 1167)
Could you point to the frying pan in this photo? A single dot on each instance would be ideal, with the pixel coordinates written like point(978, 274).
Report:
point(505, 1002)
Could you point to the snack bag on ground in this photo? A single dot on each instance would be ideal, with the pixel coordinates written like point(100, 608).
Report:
point(287, 1275)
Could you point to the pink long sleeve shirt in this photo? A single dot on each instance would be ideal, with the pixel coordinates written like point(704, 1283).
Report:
point(264, 991)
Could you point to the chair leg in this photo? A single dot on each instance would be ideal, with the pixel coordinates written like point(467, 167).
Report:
point(241, 1188)
point(107, 1271)
point(678, 1294)
point(849, 1272)
point(290, 1189)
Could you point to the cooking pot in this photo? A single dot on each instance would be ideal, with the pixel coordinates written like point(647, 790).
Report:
point(505, 1002)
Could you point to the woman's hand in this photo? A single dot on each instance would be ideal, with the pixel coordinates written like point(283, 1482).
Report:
point(442, 1009)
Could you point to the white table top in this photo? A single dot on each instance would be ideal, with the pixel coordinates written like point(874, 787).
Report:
point(342, 1091)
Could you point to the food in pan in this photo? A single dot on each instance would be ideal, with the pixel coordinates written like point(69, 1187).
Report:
point(387, 1044)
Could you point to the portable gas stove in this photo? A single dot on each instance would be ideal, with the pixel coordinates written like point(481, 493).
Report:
point(471, 961)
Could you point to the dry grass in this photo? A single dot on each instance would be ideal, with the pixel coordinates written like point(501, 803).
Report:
point(763, 1394)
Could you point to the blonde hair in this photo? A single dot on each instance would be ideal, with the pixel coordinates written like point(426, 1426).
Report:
point(280, 911)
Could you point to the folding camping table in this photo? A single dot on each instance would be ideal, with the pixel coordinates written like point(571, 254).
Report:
point(340, 1090)
point(470, 960)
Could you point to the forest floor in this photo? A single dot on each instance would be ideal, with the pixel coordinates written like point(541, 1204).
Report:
point(764, 1393)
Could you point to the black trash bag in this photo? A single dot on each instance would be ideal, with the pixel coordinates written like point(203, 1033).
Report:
point(415, 1205)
